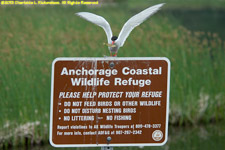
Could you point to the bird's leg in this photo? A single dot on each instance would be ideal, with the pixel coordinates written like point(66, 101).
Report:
point(115, 55)
point(111, 54)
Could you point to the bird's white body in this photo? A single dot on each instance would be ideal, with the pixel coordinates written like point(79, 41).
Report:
point(127, 28)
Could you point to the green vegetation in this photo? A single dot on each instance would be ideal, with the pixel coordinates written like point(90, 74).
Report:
point(31, 38)
point(180, 4)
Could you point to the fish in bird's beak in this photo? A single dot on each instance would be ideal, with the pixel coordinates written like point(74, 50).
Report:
point(109, 45)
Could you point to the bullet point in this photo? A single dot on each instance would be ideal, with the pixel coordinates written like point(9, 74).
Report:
point(59, 110)
point(59, 118)
point(59, 103)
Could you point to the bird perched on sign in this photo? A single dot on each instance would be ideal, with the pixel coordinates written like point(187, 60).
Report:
point(114, 42)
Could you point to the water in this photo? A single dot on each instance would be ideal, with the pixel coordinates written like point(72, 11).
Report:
point(210, 137)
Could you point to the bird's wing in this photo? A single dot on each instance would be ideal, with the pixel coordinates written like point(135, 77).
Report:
point(98, 20)
point(135, 21)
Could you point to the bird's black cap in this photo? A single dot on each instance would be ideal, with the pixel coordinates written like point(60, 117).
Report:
point(114, 38)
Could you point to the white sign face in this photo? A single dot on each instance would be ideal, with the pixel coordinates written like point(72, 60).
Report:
point(109, 102)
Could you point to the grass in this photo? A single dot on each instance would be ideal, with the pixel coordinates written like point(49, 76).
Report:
point(31, 38)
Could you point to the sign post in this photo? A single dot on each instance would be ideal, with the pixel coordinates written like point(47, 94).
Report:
point(105, 102)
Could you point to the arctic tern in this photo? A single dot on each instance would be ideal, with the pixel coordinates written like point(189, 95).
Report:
point(114, 42)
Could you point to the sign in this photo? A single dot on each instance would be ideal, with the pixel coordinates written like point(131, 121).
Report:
point(109, 102)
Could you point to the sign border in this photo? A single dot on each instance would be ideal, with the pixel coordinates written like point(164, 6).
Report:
point(108, 59)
